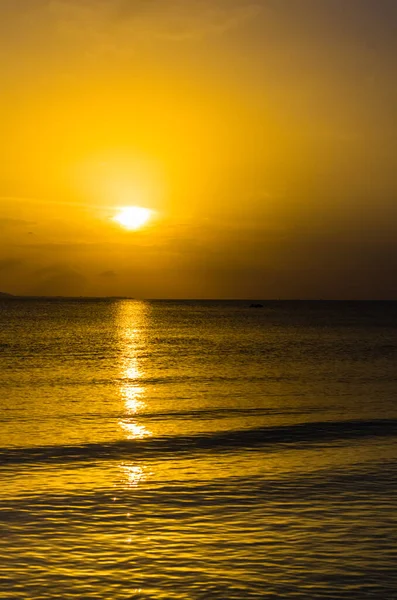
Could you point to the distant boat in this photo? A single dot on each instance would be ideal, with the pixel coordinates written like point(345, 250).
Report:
point(255, 305)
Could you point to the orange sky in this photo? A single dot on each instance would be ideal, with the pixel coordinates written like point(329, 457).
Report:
point(262, 134)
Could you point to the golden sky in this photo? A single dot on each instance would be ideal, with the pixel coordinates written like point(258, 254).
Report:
point(262, 135)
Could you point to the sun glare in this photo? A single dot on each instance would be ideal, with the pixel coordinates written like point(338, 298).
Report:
point(132, 217)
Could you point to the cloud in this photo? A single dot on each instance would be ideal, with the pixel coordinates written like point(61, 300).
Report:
point(181, 19)
point(7, 264)
point(68, 246)
point(6, 222)
point(108, 274)
point(59, 280)
point(169, 19)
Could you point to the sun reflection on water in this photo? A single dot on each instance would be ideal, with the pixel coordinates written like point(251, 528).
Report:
point(132, 395)
point(132, 321)
point(134, 431)
point(132, 475)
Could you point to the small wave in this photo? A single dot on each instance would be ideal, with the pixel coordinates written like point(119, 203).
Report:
point(224, 413)
point(229, 441)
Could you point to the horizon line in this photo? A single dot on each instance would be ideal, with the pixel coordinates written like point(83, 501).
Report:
point(5, 295)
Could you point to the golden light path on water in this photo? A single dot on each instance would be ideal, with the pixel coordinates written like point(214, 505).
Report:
point(132, 321)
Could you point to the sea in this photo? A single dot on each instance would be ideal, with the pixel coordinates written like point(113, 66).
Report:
point(198, 450)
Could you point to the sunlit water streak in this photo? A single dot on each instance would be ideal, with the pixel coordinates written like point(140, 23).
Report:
point(132, 327)
point(198, 450)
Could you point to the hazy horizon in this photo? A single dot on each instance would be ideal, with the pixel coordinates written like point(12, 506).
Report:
point(196, 299)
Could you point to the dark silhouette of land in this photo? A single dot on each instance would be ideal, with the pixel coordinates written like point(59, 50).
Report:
point(6, 296)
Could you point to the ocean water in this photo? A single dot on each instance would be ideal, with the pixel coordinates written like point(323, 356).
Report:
point(198, 450)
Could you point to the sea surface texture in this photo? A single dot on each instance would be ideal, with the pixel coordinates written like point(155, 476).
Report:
point(198, 450)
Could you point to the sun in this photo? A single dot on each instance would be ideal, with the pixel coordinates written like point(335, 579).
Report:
point(132, 217)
